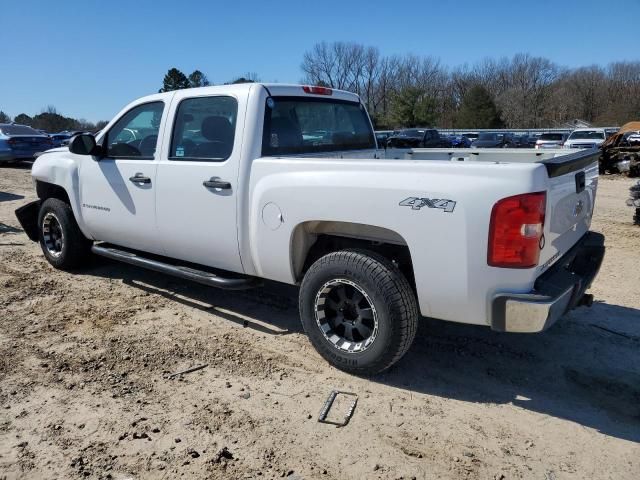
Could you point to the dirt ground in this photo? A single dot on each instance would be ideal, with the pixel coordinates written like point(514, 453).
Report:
point(85, 392)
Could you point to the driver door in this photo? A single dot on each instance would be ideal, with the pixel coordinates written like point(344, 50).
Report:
point(118, 191)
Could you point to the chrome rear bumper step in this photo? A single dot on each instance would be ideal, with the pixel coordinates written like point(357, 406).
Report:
point(188, 273)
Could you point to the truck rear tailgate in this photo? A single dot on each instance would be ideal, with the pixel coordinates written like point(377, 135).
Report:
point(573, 181)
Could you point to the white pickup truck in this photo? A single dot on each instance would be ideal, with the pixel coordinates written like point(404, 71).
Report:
point(228, 185)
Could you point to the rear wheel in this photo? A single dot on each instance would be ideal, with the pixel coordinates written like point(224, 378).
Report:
point(63, 244)
point(358, 310)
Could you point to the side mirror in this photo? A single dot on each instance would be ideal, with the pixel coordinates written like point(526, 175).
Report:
point(84, 144)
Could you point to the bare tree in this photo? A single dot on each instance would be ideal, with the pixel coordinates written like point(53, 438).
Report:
point(529, 91)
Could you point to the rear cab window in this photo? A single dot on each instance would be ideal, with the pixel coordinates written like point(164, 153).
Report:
point(298, 125)
point(551, 137)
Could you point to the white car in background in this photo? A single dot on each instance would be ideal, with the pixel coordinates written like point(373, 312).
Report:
point(586, 138)
point(551, 140)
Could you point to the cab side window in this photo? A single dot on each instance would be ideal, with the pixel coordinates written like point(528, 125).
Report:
point(135, 135)
point(204, 129)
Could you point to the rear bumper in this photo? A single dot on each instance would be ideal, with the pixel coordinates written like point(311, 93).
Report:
point(556, 291)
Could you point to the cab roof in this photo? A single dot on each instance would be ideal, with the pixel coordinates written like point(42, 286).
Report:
point(274, 89)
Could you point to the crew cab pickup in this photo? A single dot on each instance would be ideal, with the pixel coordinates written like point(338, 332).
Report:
point(229, 185)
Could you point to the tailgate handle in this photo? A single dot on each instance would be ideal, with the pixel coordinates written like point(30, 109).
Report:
point(580, 182)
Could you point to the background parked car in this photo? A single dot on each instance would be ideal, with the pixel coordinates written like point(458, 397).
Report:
point(585, 138)
point(525, 141)
point(382, 136)
point(471, 136)
point(459, 141)
point(19, 142)
point(60, 139)
point(495, 140)
point(551, 140)
point(418, 138)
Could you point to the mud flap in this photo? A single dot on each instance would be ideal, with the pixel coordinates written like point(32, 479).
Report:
point(28, 217)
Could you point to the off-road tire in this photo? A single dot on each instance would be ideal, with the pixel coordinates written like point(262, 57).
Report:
point(391, 295)
point(75, 247)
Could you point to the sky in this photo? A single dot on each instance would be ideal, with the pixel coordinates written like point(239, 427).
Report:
point(89, 58)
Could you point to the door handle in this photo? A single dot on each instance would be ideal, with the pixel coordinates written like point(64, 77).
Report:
point(215, 182)
point(139, 178)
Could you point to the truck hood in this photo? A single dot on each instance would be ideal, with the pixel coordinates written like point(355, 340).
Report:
point(587, 142)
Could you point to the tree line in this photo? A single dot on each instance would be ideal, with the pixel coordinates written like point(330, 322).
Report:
point(523, 91)
point(51, 121)
point(177, 80)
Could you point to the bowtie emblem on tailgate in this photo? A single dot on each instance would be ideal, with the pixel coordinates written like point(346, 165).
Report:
point(416, 203)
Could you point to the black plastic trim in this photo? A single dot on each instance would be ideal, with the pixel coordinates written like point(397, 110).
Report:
point(182, 271)
point(27, 215)
point(564, 164)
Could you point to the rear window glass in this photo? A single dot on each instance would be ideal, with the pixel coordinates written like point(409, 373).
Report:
point(587, 135)
point(307, 125)
point(551, 136)
point(18, 130)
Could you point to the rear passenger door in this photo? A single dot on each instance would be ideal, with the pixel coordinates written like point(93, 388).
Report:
point(197, 177)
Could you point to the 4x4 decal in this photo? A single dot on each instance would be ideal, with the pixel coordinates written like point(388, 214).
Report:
point(417, 203)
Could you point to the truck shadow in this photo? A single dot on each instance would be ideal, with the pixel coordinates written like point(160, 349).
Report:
point(9, 197)
point(585, 369)
point(245, 307)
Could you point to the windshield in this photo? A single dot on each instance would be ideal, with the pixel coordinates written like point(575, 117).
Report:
point(587, 134)
point(488, 136)
point(18, 130)
point(309, 125)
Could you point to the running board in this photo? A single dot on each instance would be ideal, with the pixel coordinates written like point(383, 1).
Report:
point(188, 273)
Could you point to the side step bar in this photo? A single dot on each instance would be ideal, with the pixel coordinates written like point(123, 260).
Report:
point(188, 273)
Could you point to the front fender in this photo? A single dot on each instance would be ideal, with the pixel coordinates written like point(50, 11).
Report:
point(60, 167)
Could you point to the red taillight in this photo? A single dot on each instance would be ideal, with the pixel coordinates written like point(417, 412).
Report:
point(515, 231)
point(12, 141)
point(317, 90)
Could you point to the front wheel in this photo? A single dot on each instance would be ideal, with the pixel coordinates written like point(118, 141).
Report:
point(358, 310)
point(62, 242)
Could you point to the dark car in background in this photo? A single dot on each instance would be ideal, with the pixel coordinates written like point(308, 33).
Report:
point(20, 142)
point(495, 140)
point(382, 136)
point(459, 141)
point(471, 136)
point(60, 139)
point(418, 138)
point(525, 141)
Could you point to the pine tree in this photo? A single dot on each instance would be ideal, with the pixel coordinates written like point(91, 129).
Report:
point(174, 80)
point(198, 79)
point(478, 110)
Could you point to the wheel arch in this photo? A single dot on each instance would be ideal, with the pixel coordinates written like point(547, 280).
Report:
point(311, 240)
point(46, 190)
